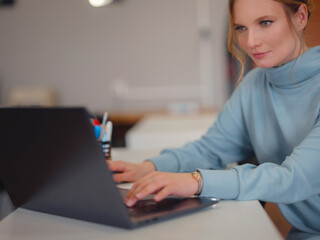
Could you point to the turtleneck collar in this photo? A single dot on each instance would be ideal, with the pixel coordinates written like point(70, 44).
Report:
point(303, 68)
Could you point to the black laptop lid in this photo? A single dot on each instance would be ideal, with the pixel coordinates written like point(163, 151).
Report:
point(48, 157)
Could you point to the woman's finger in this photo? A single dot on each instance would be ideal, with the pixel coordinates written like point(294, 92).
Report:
point(123, 177)
point(117, 166)
point(150, 188)
point(162, 194)
point(140, 184)
point(143, 190)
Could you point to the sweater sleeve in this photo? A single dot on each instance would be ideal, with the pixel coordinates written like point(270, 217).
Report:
point(296, 179)
point(225, 142)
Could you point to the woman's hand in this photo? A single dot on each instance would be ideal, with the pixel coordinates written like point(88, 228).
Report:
point(129, 172)
point(162, 184)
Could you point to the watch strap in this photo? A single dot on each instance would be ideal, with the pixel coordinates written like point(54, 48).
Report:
point(197, 175)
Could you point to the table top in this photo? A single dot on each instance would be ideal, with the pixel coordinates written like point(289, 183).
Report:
point(227, 220)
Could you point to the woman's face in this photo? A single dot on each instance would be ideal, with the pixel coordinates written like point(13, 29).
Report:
point(264, 33)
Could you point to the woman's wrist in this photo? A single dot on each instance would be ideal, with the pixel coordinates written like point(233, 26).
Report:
point(198, 177)
point(149, 166)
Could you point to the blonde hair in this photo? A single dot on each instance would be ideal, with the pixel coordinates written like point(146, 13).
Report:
point(290, 6)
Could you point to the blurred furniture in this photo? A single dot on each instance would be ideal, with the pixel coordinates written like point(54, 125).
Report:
point(32, 96)
point(277, 218)
point(312, 33)
point(122, 122)
point(157, 131)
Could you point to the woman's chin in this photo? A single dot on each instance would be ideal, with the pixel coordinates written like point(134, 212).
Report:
point(260, 64)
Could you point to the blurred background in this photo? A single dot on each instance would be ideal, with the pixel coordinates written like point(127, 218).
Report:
point(132, 55)
point(131, 58)
point(128, 57)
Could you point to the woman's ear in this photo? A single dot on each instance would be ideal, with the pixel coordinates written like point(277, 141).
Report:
point(300, 18)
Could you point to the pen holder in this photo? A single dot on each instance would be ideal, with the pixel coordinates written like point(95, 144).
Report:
point(106, 148)
point(103, 134)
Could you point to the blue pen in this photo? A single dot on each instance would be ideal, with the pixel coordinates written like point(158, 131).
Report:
point(97, 131)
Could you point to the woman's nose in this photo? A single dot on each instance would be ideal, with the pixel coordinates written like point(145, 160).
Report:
point(254, 39)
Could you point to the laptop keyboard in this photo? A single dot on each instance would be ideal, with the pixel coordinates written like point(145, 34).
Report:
point(143, 207)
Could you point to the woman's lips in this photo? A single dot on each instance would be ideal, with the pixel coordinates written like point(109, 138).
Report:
point(260, 55)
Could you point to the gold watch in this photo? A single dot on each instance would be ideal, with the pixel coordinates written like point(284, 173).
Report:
point(197, 176)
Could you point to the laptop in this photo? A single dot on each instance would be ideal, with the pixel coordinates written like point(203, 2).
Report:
point(51, 162)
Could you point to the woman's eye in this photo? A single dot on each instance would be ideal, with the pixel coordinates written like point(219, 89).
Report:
point(240, 28)
point(266, 23)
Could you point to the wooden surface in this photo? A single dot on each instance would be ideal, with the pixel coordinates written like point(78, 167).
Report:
point(278, 219)
point(312, 33)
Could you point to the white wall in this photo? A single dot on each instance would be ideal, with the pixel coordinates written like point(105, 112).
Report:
point(103, 58)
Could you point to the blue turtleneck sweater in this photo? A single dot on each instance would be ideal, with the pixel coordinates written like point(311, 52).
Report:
point(274, 115)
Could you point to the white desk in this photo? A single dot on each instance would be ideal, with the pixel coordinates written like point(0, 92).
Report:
point(228, 220)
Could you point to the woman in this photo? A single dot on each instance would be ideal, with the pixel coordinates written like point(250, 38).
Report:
point(273, 114)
